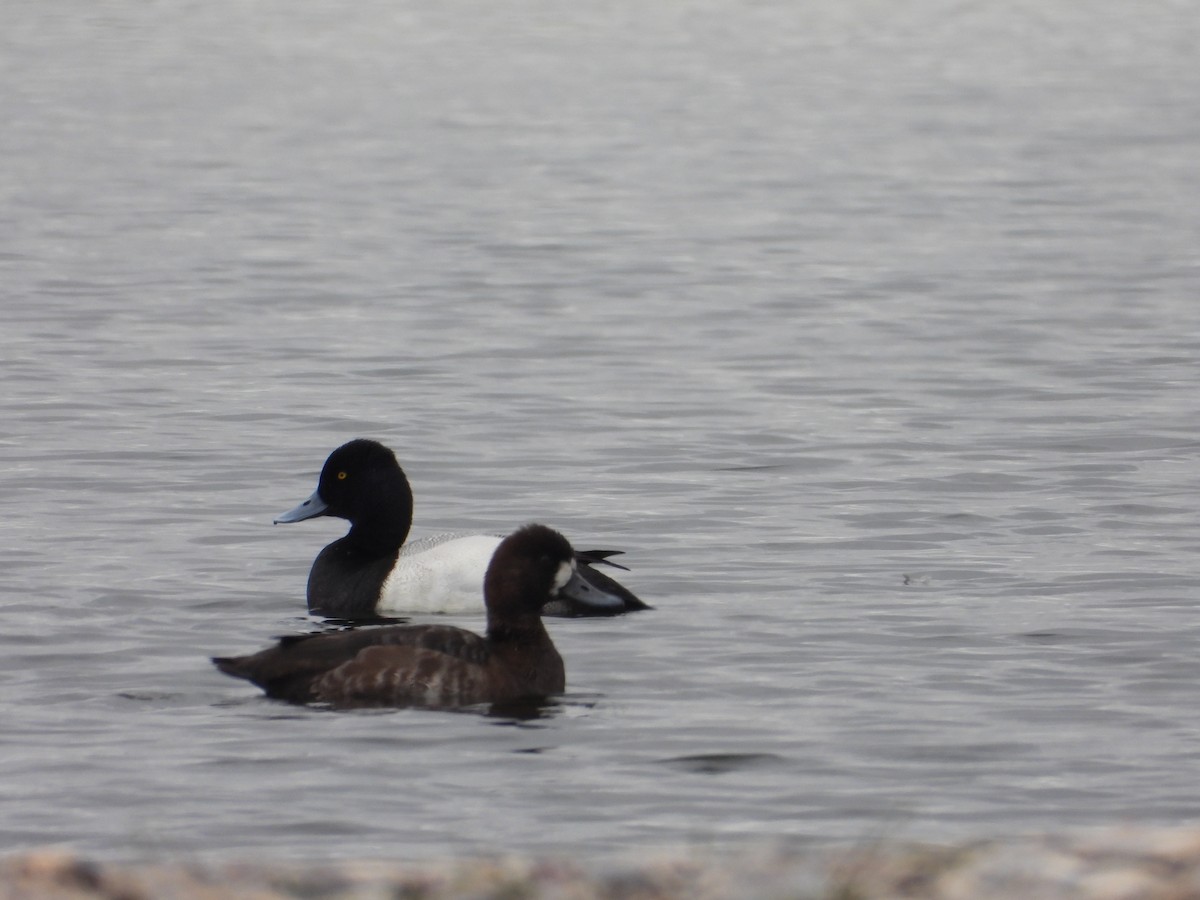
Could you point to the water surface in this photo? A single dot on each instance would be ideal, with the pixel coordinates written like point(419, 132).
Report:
point(870, 333)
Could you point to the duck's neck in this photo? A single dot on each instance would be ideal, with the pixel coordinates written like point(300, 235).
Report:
point(381, 529)
point(377, 537)
point(525, 629)
point(524, 649)
point(348, 575)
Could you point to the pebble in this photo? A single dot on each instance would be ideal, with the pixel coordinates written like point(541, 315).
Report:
point(1109, 864)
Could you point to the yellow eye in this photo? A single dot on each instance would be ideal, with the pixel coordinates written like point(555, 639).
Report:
point(341, 476)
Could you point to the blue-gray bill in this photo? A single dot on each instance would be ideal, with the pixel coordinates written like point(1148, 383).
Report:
point(311, 508)
point(581, 592)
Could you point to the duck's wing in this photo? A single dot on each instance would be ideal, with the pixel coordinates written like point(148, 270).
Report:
point(417, 546)
point(289, 669)
point(395, 675)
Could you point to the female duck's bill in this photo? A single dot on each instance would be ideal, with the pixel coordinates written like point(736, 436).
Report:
point(436, 666)
point(372, 571)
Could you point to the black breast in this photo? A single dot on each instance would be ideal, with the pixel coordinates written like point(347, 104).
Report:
point(347, 583)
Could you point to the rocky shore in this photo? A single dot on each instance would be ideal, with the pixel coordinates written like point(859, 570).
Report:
point(1120, 864)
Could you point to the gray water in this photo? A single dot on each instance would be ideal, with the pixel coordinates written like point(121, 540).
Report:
point(869, 331)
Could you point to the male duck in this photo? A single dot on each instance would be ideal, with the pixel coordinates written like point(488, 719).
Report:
point(436, 666)
point(371, 571)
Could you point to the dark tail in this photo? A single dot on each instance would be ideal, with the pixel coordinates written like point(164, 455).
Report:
point(231, 665)
point(610, 585)
point(597, 557)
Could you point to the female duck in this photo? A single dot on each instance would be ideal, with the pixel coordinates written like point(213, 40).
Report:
point(371, 571)
point(435, 666)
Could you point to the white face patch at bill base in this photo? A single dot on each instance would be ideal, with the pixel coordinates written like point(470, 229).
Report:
point(565, 571)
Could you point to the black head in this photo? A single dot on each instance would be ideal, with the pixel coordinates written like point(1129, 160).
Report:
point(527, 571)
point(358, 476)
point(362, 482)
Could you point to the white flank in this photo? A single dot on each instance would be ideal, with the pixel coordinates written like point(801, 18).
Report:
point(439, 574)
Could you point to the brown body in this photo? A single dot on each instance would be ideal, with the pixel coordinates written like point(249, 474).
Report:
point(437, 666)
